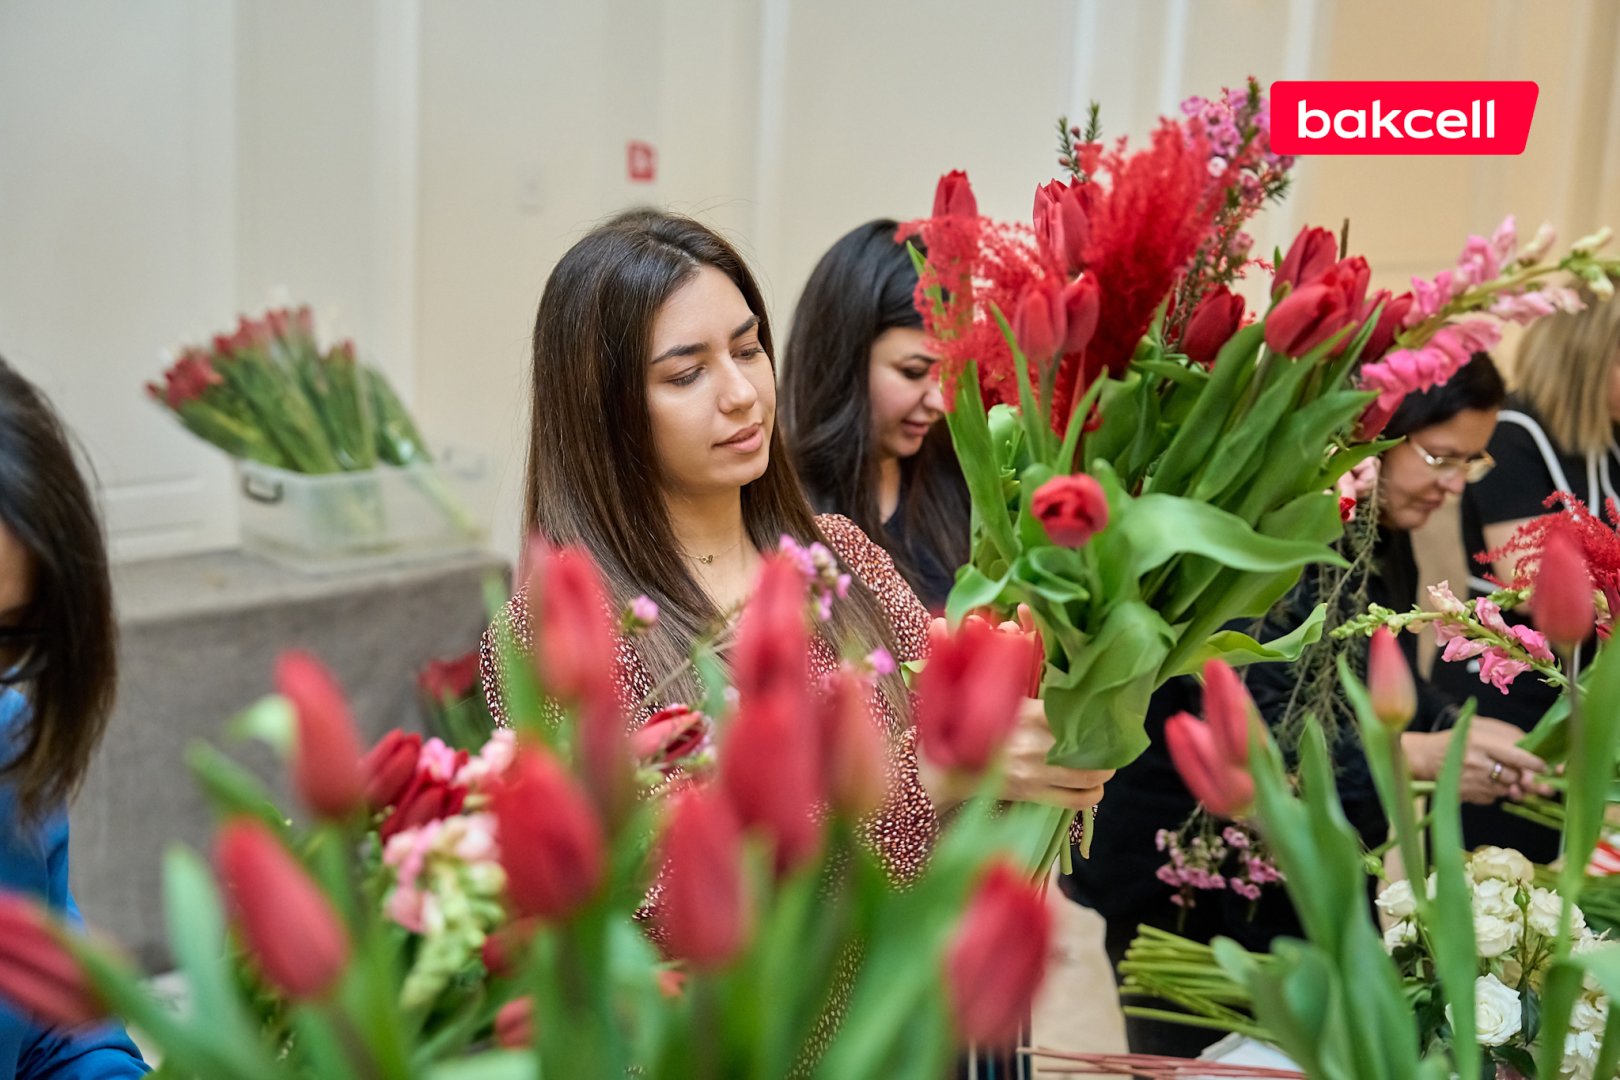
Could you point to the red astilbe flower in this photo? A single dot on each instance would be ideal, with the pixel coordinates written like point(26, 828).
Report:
point(1147, 221)
point(1597, 539)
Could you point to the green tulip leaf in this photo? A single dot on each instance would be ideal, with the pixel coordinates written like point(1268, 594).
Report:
point(1160, 527)
point(1239, 649)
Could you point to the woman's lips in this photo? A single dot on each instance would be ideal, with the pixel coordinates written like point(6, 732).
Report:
point(746, 441)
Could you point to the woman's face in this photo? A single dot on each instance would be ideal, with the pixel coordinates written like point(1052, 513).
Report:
point(1410, 488)
point(903, 384)
point(711, 392)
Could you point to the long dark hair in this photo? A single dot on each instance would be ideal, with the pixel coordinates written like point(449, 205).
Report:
point(593, 476)
point(69, 663)
point(863, 286)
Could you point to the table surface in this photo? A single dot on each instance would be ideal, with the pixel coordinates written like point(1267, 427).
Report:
point(211, 582)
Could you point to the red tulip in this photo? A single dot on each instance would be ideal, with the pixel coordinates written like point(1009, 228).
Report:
point(1310, 256)
point(285, 920)
point(1389, 681)
point(503, 949)
point(390, 766)
point(326, 757)
point(38, 975)
point(1072, 509)
point(1561, 595)
point(427, 798)
point(553, 852)
point(1082, 306)
point(669, 736)
point(852, 748)
point(968, 696)
point(1038, 324)
point(997, 958)
point(1211, 325)
point(1229, 709)
point(1221, 784)
point(1390, 318)
point(772, 654)
point(577, 653)
point(704, 909)
point(514, 1024)
point(1305, 318)
point(449, 680)
point(1061, 224)
point(953, 197)
point(770, 773)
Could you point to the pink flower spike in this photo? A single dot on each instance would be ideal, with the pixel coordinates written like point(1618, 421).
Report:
point(1499, 669)
point(1534, 642)
point(1461, 648)
point(1490, 616)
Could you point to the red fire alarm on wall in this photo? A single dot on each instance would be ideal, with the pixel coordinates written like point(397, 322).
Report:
point(640, 161)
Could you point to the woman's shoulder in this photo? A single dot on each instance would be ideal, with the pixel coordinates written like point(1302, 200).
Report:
point(867, 560)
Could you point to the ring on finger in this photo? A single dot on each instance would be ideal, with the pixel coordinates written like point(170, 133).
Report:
point(1496, 772)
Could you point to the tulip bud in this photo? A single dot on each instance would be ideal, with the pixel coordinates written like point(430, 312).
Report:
point(968, 696)
point(514, 1024)
point(1561, 594)
point(1305, 318)
point(1061, 224)
point(1389, 682)
point(1211, 325)
point(286, 922)
point(1082, 307)
point(389, 767)
point(704, 910)
point(1222, 785)
point(1072, 509)
point(553, 851)
point(953, 197)
point(852, 748)
point(1229, 710)
point(1310, 256)
point(326, 756)
point(668, 737)
point(1038, 324)
point(39, 977)
point(997, 957)
point(772, 654)
point(770, 773)
point(1391, 316)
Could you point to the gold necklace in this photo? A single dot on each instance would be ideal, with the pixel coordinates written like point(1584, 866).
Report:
point(708, 560)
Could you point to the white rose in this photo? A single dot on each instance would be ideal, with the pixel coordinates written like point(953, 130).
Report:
point(1590, 1015)
point(1494, 896)
point(1585, 942)
point(1397, 900)
point(1497, 1011)
point(1580, 1055)
point(1398, 934)
point(1503, 863)
point(1494, 936)
point(1544, 910)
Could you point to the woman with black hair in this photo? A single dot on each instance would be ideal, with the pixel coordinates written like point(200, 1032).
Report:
point(57, 673)
point(861, 404)
point(1444, 433)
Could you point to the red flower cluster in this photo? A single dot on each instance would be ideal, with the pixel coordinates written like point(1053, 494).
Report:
point(1597, 541)
point(187, 379)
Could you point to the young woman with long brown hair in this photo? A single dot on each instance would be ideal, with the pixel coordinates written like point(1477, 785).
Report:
point(58, 668)
point(655, 447)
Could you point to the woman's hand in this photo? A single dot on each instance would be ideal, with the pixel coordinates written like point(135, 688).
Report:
point(1494, 767)
point(1025, 776)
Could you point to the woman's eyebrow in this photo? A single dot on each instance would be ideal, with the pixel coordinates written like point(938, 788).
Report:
point(697, 347)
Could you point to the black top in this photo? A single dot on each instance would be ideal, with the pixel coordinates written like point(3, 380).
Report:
point(928, 572)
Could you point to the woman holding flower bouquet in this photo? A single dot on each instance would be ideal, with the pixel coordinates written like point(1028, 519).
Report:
point(862, 405)
point(654, 322)
point(1132, 879)
point(57, 671)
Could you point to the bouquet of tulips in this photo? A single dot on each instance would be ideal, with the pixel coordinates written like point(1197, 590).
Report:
point(1145, 467)
point(1490, 966)
point(690, 900)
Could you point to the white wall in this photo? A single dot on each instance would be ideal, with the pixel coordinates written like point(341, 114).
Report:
point(415, 167)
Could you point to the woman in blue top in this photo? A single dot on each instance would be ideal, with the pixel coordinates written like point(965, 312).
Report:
point(57, 672)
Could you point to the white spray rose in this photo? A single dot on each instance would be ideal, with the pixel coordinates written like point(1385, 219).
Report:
point(1398, 934)
point(1501, 863)
point(1494, 936)
point(1494, 896)
point(1544, 910)
point(1397, 900)
point(1497, 1012)
point(1580, 1055)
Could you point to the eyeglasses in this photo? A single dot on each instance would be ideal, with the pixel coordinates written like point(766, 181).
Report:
point(1473, 469)
point(21, 658)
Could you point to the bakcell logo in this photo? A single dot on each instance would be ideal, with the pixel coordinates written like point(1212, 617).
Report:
point(1401, 117)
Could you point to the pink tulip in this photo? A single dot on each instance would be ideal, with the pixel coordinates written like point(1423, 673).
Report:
point(1229, 710)
point(953, 197)
point(389, 767)
point(772, 654)
point(997, 957)
point(770, 772)
point(852, 748)
point(1072, 509)
point(1061, 224)
point(1212, 323)
point(1561, 595)
point(704, 909)
point(1389, 682)
point(514, 1024)
point(38, 975)
point(1223, 785)
point(286, 921)
point(552, 846)
point(1082, 307)
point(969, 694)
point(326, 756)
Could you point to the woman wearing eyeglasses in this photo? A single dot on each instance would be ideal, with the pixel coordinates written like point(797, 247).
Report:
point(1445, 431)
point(57, 671)
point(1557, 433)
